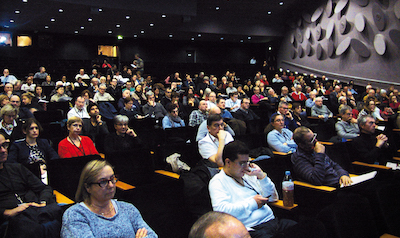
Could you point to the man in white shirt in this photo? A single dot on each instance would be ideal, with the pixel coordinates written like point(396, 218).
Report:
point(82, 75)
point(233, 103)
point(212, 145)
point(212, 99)
point(102, 95)
point(79, 110)
point(242, 190)
point(7, 77)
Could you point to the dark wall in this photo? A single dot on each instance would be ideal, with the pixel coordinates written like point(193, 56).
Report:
point(380, 70)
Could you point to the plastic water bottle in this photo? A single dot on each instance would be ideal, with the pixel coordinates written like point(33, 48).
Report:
point(288, 190)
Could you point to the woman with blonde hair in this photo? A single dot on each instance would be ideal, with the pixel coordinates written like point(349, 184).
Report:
point(29, 101)
point(4, 99)
point(96, 213)
point(76, 145)
point(9, 126)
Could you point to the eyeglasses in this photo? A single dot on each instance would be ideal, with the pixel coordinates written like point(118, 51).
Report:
point(314, 138)
point(122, 124)
point(244, 164)
point(279, 120)
point(285, 108)
point(5, 145)
point(103, 183)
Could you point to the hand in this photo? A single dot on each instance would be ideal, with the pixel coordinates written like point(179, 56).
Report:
point(381, 140)
point(141, 232)
point(353, 120)
point(131, 132)
point(289, 115)
point(151, 103)
point(260, 200)
point(221, 135)
point(255, 170)
point(321, 116)
point(345, 180)
point(319, 148)
point(34, 204)
point(98, 118)
point(15, 211)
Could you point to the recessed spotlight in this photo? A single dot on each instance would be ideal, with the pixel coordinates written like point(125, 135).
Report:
point(60, 10)
point(109, 32)
point(170, 36)
point(120, 37)
point(52, 19)
point(281, 3)
point(46, 27)
point(199, 35)
point(142, 31)
point(82, 27)
point(90, 19)
point(151, 24)
point(270, 48)
point(192, 38)
point(76, 32)
point(241, 41)
point(17, 12)
point(222, 38)
point(100, 9)
point(249, 38)
point(127, 17)
point(269, 13)
point(135, 35)
point(163, 16)
point(118, 26)
point(24, 0)
point(6, 26)
point(11, 20)
point(217, 8)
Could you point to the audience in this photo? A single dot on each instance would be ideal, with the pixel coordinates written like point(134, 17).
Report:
point(94, 127)
point(196, 117)
point(123, 139)
point(102, 95)
point(9, 126)
point(283, 109)
point(280, 139)
point(347, 127)
point(172, 119)
point(79, 110)
point(320, 110)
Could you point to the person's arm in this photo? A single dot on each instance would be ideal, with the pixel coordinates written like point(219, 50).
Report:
point(89, 145)
point(138, 222)
point(75, 224)
point(341, 131)
point(63, 150)
point(330, 114)
point(314, 112)
point(49, 152)
point(274, 142)
point(201, 131)
point(45, 192)
point(13, 154)
point(193, 118)
point(217, 158)
point(254, 99)
point(166, 123)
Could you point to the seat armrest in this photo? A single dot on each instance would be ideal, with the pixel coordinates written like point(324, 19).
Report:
point(371, 165)
point(320, 188)
point(279, 204)
point(124, 186)
point(61, 198)
point(167, 173)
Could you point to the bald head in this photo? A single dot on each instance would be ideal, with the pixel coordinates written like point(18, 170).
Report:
point(214, 110)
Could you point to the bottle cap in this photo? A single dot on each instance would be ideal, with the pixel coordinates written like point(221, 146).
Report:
point(287, 172)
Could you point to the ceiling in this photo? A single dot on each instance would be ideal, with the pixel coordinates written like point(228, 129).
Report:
point(256, 21)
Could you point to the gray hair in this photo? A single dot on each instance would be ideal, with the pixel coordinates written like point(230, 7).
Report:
point(103, 86)
point(8, 108)
point(281, 104)
point(149, 94)
point(120, 119)
point(343, 109)
point(363, 119)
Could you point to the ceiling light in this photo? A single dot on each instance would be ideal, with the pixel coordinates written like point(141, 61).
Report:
point(119, 37)
point(109, 32)
point(217, 8)
point(11, 20)
point(17, 12)
point(76, 32)
point(82, 27)
point(118, 26)
point(46, 27)
point(24, 0)
point(151, 24)
point(135, 35)
point(127, 17)
point(163, 16)
point(222, 38)
point(281, 3)
point(270, 48)
point(192, 38)
point(100, 9)
point(142, 31)
point(249, 38)
point(6, 26)
point(199, 35)
point(269, 13)
point(281, 70)
point(241, 41)
point(90, 19)
point(170, 35)
point(60, 10)
point(52, 19)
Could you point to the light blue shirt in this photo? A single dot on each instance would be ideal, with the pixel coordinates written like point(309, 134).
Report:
point(277, 141)
point(167, 123)
point(229, 103)
point(9, 79)
point(230, 197)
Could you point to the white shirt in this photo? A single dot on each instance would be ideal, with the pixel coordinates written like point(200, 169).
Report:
point(208, 146)
point(230, 103)
point(75, 112)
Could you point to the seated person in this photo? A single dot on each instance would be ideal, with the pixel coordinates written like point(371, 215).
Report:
point(242, 190)
point(298, 95)
point(139, 95)
point(31, 149)
point(123, 139)
point(48, 82)
point(285, 97)
point(196, 117)
point(9, 126)
point(211, 99)
point(130, 109)
point(126, 93)
point(369, 147)
point(300, 116)
point(272, 96)
point(96, 213)
point(371, 109)
point(310, 102)
point(102, 95)
point(245, 113)
point(280, 139)
point(94, 126)
point(212, 145)
point(23, 196)
point(172, 119)
point(75, 145)
point(233, 103)
point(218, 224)
point(79, 110)
point(347, 128)
point(202, 130)
point(257, 97)
point(312, 165)
point(283, 109)
point(30, 102)
point(320, 110)
point(152, 108)
point(60, 96)
point(23, 112)
point(225, 112)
